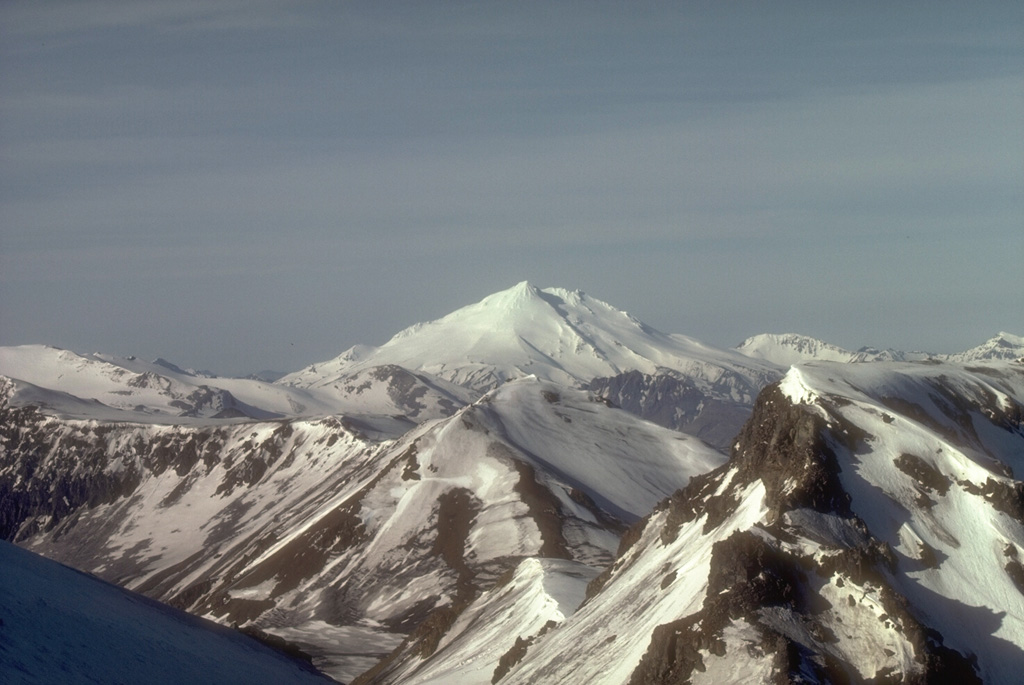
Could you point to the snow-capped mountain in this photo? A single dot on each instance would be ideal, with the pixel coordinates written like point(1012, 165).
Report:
point(1005, 346)
point(785, 350)
point(573, 339)
point(447, 507)
point(563, 336)
point(63, 626)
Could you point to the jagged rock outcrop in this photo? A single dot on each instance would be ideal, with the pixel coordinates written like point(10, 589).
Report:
point(845, 541)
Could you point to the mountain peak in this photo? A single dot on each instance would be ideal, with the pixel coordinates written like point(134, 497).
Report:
point(557, 334)
point(786, 349)
point(518, 295)
point(1005, 346)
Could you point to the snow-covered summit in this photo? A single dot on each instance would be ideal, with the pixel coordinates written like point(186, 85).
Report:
point(561, 335)
point(786, 349)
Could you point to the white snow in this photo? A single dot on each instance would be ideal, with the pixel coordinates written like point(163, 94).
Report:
point(553, 334)
point(541, 590)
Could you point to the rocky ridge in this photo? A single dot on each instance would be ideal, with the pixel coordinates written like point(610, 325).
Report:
point(867, 527)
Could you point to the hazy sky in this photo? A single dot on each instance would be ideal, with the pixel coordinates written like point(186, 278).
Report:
point(240, 185)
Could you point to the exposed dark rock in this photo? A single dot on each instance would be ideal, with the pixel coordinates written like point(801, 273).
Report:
point(1005, 497)
point(50, 474)
point(510, 658)
point(676, 402)
point(784, 446)
point(411, 470)
point(1014, 569)
point(299, 559)
point(928, 477)
point(545, 510)
point(753, 573)
point(457, 510)
point(746, 574)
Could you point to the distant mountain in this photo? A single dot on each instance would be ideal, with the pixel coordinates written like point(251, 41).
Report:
point(563, 336)
point(126, 388)
point(570, 338)
point(1005, 346)
point(785, 350)
point(110, 388)
point(267, 376)
point(62, 626)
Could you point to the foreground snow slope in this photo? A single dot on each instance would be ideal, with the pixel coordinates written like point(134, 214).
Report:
point(62, 626)
point(869, 525)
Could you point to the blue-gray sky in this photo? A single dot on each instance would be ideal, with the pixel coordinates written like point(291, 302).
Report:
point(240, 185)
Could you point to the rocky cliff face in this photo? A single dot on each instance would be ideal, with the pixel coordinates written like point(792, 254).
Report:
point(713, 412)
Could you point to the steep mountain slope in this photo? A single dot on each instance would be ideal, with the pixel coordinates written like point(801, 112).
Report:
point(319, 534)
point(438, 508)
point(869, 525)
point(711, 411)
point(61, 626)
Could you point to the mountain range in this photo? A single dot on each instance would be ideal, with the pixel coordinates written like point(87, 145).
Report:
point(540, 488)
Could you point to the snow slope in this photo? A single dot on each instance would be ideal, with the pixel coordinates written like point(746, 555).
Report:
point(58, 625)
point(483, 640)
point(787, 349)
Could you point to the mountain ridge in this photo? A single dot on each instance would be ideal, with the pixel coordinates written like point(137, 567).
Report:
point(382, 516)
